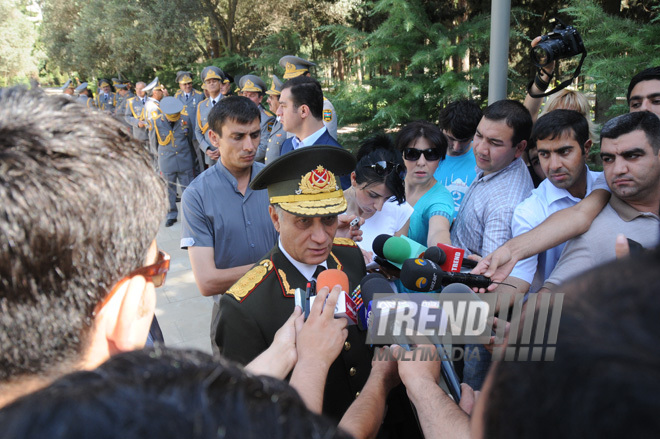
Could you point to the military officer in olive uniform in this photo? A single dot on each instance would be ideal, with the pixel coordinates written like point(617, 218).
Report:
point(215, 80)
point(253, 88)
point(83, 96)
point(306, 198)
point(191, 98)
point(105, 97)
point(174, 155)
point(277, 134)
point(295, 66)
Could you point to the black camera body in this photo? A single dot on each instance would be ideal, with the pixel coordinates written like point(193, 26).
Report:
point(563, 42)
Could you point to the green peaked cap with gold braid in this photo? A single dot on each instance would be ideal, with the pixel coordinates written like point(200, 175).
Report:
point(305, 182)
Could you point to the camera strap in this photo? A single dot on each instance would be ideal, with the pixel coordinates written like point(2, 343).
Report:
point(561, 86)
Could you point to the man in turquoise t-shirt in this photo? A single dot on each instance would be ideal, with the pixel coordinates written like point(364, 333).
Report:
point(458, 122)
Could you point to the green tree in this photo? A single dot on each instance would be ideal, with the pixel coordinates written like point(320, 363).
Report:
point(17, 43)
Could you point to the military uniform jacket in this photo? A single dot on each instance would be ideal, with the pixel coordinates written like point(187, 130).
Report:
point(106, 104)
point(174, 153)
point(151, 113)
point(275, 141)
point(256, 306)
point(134, 114)
point(202, 127)
point(86, 101)
point(120, 111)
point(266, 123)
point(330, 118)
point(194, 98)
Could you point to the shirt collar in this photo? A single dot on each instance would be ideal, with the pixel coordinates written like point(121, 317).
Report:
point(553, 193)
point(625, 211)
point(482, 177)
point(234, 183)
point(311, 139)
point(305, 269)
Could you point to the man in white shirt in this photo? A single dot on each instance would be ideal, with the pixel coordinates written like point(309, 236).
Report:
point(562, 141)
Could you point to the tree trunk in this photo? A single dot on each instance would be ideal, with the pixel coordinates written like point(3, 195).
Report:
point(340, 65)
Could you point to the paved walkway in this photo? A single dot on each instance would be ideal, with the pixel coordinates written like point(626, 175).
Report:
point(183, 313)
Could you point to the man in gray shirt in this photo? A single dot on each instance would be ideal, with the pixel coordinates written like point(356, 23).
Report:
point(226, 226)
point(630, 150)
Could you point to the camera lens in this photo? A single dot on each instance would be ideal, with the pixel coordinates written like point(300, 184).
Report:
point(541, 56)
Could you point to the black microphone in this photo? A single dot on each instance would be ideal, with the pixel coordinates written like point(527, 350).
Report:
point(372, 283)
point(423, 275)
point(438, 255)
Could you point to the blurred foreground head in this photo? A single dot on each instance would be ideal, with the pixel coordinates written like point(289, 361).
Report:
point(165, 394)
point(605, 377)
point(80, 208)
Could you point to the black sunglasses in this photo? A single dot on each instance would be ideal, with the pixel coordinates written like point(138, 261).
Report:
point(412, 154)
point(383, 168)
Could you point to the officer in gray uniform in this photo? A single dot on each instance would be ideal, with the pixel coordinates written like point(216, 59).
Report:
point(215, 80)
point(277, 134)
point(135, 115)
point(171, 129)
point(105, 97)
point(152, 111)
point(83, 96)
point(123, 95)
point(253, 88)
point(68, 88)
point(295, 66)
point(190, 99)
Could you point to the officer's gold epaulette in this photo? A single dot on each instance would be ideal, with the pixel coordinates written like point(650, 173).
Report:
point(268, 113)
point(346, 242)
point(178, 93)
point(245, 285)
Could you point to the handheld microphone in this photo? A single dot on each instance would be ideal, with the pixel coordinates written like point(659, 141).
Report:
point(345, 306)
point(449, 258)
point(372, 283)
point(396, 249)
point(423, 275)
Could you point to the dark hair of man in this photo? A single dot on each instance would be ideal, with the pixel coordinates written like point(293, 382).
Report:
point(238, 109)
point(306, 91)
point(164, 394)
point(606, 353)
point(645, 75)
point(516, 116)
point(81, 204)
point(420, 128)
point(461, 118)
point(558, 123)
point(629, 122)
point(380, 148)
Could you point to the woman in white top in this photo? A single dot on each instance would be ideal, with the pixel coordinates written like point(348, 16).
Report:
point(377, 192)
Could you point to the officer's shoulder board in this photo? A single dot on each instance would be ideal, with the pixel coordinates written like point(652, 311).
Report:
point(344, 242)
point(177, 94)
point(250, 280)
point(268, 113)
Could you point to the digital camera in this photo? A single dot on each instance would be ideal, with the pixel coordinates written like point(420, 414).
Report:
point(563, 42)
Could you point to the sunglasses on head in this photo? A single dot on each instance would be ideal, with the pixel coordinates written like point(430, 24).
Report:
point(154, 273)
point(383, 168)
point(412, 154)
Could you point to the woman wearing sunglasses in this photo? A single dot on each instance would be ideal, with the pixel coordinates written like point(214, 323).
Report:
point(423, 146)
point(377, 192)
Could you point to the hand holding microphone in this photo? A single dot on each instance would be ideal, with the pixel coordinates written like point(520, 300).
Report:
point(322, 336)
point(424, 276)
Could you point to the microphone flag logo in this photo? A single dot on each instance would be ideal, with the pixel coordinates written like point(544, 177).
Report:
point(421, 262)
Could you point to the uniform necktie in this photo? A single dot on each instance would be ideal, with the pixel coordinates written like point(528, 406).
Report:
point(318, 271)
point(213, 103)
point(187, 96)
point(142, 101)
